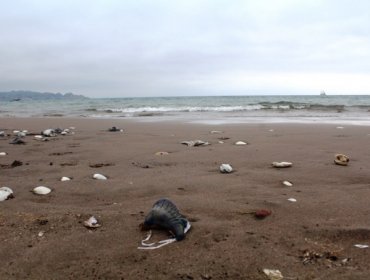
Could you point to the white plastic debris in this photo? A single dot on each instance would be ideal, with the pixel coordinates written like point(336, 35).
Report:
point(292, 200)
point(282, 164)
point(361, 246)
point(6, 193)
point(98, 176)
point(159, 244)
point(3, 153)
point(41, 190)
point(240, 143)
point(273, 274)
point(287, 183)
point(226, 168)
point(63, 179)
point(92, 222)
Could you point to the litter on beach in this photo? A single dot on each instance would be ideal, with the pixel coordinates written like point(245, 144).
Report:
point(341, 159)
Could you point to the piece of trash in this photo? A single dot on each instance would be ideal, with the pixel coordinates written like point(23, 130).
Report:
point(262, 213)
point(6, 193)
point(216, 132)
point(361, 246)
point(161, 153)
point(195, 143)
point(292, 199)
point(273, 274)
point(115, 129)
point(226, 168)
point(3, 153)
point(282, 164)
point(341, 159)
point(164, 214)
point(98, 176)
point(41, 190)
point(240, 143)
point(287, 183)
point(63, 179)
point(92, 222)
point(17, 141)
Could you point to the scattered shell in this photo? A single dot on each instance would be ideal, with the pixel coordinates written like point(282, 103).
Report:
point(340, 127)
point(63, 179)
point(271, 130)
point(221, 142)
point(361, 246)
point(3, 154)
point(216, 132)
point(92, 222)
point(6, 193)
point(2, 133)
point(292, 200)
point(281, 164)
point(64, 133)
point(15, 132)
point(17, 141)
point(38, 137)
point(49, 132)
point(195, 143)
point(161, 153)
point(341, 159)
point(226, 168)
point(41, 190)
point(240, 143)
point(287, 183)
point(98, 176)
point(41, 234)
point(273, 274)
point(72, 127)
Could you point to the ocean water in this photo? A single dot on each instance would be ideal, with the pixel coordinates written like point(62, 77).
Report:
point(211, 109)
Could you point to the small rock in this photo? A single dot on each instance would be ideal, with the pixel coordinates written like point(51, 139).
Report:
point(226, 168)
point(92, 222)
point(63, 179)
point(41, 190)
point(273, 274)
point(6, 193)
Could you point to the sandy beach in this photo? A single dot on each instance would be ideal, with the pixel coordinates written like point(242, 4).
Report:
point(43, 237)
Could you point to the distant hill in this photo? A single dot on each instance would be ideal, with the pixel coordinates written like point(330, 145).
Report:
point(16, 95)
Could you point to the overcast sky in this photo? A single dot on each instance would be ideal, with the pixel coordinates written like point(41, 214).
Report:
point(188, 47)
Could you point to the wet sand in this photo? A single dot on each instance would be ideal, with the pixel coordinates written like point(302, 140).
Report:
point(312, 238)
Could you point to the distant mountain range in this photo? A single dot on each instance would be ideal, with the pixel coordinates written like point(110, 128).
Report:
point(17, 95)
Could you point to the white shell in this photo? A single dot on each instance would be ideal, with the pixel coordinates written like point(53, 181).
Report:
point(226, 168)
point(5, 193)
point(92, 222)
point(3, 154)
point(63, 179)
point(41, 190)
point(282, 164)
point(287, 183)
point(239, 143)
point(340, 127)
point(99, 177)
point(361, 246)
point(216, 132)
point(273, 274)
point(49, 132)
point(16, 131)
point(38, 136)
point(221, 142)
point(63, 133)
point(292, 200)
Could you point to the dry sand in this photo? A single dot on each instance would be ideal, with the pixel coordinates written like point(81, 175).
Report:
point(312, 238)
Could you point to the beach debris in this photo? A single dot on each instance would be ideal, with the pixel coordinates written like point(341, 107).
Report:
point(164, 214)
point(20, 133)
point(41, 233)
point(161, 153)
point(340, 127)
point(98, 176)
point(3, 154)
point(313, 256)
point(240, 143)
point(92, 222)
point(195, 143)
point(287, 183)
point(115, 129)
point(341, 159)
point(226, 168)
point(65, 131)
point(282, 164)
point(2, 133)
point(361, 246)
point(221, 142)
point(50, 132)
point(6, 193)
point(41, 190)
point(216, 132)
point(17, 141)
point(273, 274)
point(63, 179)
point(292, 199)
